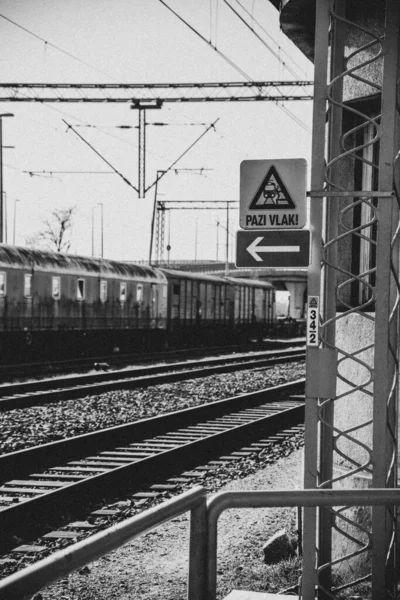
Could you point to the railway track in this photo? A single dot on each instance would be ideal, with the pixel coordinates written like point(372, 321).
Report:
point(43, 483)
point(59, 367)
point(21, 395)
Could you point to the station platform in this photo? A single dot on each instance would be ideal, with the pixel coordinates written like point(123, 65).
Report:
point(244, 595)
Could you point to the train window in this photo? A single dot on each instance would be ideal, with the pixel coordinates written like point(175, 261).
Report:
point(153, 292)
point(103, 290)
point(56, 288)
point(122, 291)
point(176, 289)
point(80, 289)
point(27, 285)
point(2, 283)
point(139, 293)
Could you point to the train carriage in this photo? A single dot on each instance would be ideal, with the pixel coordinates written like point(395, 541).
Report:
point(254, 308)
point(208, 309)
point(200, 308)
point(53, 303)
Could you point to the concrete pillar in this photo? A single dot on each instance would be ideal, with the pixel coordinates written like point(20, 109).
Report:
point(296, 306)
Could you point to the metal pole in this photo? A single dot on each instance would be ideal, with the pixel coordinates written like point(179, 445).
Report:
point(384, 449)
point(217, 238)
point(1, 180)
point(195, 240)
point(5, 219)
point(15, 220)
point(142, 152)
point(102, 230)
point(227, 240)
point(169, 235)
point(93, 230)
point(153, 217)
point(314, 289)
point(1, 176)
point(333, 174)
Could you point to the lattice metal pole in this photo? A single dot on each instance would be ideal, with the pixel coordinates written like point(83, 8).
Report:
point(328, 332)
point(377, 385)
point(309, 579)
point(384, 453)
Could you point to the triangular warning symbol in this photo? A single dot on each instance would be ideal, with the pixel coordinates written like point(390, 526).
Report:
point(313, 303)
point(272, 194)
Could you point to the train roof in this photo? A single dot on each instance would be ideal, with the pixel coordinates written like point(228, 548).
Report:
point(170, 273)
point(43, 260)
point(251, 282)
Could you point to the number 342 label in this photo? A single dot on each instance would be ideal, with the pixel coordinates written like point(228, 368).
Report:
point(313, 321)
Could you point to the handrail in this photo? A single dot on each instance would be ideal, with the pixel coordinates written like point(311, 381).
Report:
point(283, 498)
point(203, 534)
point(37, 576)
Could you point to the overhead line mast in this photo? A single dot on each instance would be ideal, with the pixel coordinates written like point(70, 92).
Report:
point(144, 96)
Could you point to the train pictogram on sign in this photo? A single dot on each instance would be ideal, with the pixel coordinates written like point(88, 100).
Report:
point(272, 194)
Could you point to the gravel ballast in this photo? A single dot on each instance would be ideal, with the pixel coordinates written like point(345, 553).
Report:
point(155, 565)
point(27, 427)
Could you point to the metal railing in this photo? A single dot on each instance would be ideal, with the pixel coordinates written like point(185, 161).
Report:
point(35, 577)
point(202, 576)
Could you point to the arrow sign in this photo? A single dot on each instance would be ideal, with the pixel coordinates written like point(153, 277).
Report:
point(254, 249)
point(273, 248)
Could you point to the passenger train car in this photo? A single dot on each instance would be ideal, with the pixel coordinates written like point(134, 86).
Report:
point(55, 305)
point(216, 309)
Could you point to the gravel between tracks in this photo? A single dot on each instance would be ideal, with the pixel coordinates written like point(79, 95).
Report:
point(27, 427)
point(155, 565)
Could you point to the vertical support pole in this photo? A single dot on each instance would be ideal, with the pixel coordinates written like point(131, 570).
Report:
point(142, 153)
point(1, 182)
point(382, 525)
point(153, 220)
point(227, 240)
point(329, 303)
point(197, 577)
point(314, 288)
point(161, 241)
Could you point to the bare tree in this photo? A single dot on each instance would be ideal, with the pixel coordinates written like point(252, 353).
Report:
point(56, 232)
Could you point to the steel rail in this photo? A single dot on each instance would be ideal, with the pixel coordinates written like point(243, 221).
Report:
point(19, 395)
point(18, 518)
point(68, 365)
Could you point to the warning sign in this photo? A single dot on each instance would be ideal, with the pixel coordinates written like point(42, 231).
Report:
point(273, 194)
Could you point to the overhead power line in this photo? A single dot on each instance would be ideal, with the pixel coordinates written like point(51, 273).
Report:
point(236, 67)
point(101, 156)
point(54, 46)
point(162, 173)
point(270, 37)
point(264, 43)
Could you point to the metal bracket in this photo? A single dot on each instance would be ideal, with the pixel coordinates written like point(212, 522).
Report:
point(346, 194)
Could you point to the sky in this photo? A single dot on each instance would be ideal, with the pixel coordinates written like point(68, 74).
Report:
point(141, 41)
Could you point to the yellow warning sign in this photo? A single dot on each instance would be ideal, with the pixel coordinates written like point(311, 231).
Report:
point(273, 194)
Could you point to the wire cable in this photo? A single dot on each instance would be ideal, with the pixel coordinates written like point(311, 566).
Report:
point(251, 15)
point(236, 67)
point(56, 47)
point(102, 157)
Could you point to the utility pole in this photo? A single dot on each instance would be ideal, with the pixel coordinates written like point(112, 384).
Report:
point(15, 220)
point(227, 240)
point(1, 176)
